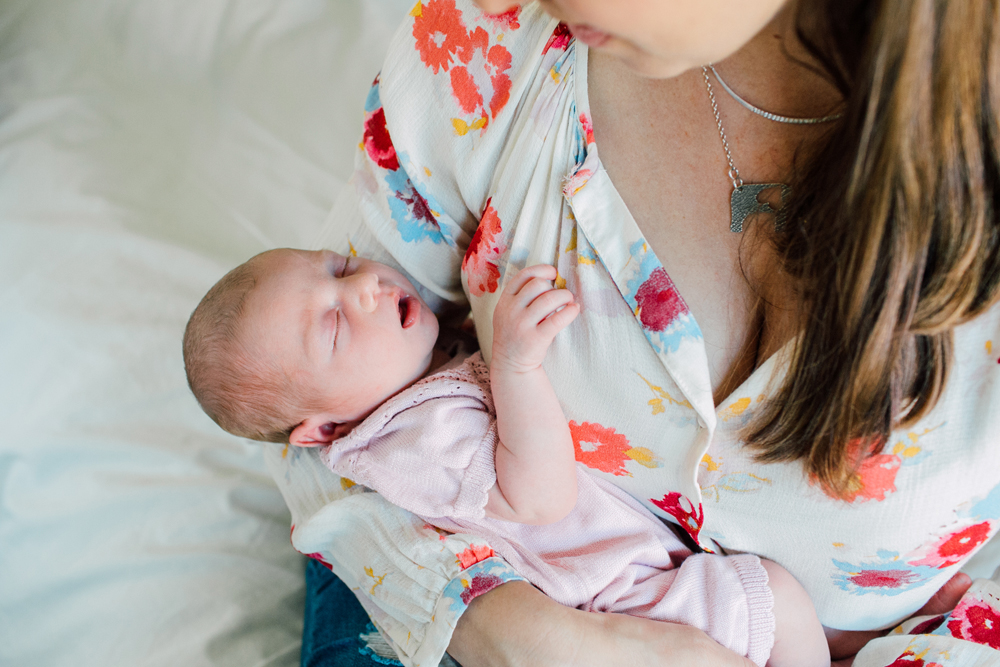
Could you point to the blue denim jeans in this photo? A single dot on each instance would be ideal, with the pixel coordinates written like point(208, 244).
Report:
point(337, 632)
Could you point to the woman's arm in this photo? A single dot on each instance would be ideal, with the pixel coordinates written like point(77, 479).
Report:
point(517, 625)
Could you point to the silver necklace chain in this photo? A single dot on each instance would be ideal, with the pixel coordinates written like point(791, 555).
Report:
point(767, 114)
point(743, 201)
point(734, 173)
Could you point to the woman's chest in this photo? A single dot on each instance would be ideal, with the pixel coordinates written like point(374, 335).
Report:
point(673, 180)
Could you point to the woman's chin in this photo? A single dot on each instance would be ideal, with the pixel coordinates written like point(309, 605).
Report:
point(647, 65)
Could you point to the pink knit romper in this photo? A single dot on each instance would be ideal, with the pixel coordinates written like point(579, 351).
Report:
point(430, 450)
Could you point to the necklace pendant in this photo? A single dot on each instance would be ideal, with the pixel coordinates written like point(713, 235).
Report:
point(744, 203)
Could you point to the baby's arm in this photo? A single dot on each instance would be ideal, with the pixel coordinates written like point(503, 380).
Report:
point(535, 463)
point(799, 640)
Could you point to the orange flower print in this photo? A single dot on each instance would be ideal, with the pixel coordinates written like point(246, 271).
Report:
point(684, 511)
point(600, 448)
point(474, 554)
point(875, 478)
point(439, 32)
point(477, 70)
point(481, 262)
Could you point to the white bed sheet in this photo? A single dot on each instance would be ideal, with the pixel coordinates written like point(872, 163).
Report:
point(146, 147)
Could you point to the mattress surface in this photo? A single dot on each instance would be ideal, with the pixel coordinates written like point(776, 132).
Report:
point(146, 147)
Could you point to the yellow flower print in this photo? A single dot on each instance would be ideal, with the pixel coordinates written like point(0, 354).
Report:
point(378, 580)
point(735, 409)
point(644, 457)
point(462, 128)
point(737, 482)
point(908, 451)
point(571, 246)
point(656, 403)
point(709, 462)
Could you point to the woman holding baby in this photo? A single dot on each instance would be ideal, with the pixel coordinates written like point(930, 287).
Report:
point(778, 219)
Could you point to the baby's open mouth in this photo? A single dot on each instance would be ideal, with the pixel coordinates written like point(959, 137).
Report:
point(407, 311)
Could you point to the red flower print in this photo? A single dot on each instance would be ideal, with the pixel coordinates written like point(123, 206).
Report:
point(378, 143)
point(588, 130)
point(976, 621)
point(683, 511)
point(952, 549)
point(928, 626)
point(506, 20)
point(900, 662)
point(559, 39)
point(418, 206)
point(600, 448)
point(481, 583)
point(439, 33)
point(474, 554)
point(658, 301)
point(883, 578)
point(481, 262)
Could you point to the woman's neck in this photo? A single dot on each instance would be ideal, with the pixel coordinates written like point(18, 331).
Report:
point(776, 72)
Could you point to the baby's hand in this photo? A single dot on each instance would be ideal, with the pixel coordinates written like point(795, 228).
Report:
point(528, 316)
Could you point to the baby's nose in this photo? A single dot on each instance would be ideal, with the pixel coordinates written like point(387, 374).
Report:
point(367, 289)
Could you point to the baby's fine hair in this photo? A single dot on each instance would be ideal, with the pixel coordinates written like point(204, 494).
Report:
point(242, 391)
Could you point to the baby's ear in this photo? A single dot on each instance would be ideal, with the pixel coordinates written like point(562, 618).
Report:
point(317, 431)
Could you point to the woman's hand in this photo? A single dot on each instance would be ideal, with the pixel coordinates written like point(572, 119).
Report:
point(515, 624)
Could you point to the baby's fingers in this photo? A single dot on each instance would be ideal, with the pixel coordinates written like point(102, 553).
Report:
point(558, 320)
point(546, 304)
point(524, 276)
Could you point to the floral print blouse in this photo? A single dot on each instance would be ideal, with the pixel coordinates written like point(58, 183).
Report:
point(477, 159)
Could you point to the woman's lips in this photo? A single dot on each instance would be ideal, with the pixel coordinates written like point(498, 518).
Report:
point(590, 36)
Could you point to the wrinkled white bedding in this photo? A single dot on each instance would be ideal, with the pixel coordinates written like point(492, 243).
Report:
point(147, 146)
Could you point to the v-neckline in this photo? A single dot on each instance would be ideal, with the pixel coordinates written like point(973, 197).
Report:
point(762, 374)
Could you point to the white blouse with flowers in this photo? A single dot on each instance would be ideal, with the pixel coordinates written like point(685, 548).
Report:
point(478, 159)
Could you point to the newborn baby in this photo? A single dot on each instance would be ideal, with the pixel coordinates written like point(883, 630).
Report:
point(322, 350)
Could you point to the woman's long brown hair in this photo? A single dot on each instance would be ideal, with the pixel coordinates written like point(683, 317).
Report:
point(893, 234)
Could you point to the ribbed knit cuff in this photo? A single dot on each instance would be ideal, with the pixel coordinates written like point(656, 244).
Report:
point(760, 605)
point(479, 478)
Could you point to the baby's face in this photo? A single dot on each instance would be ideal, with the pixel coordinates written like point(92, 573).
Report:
point(349, 332)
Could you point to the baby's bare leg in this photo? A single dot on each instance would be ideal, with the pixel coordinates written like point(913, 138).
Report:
point(799, 640)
